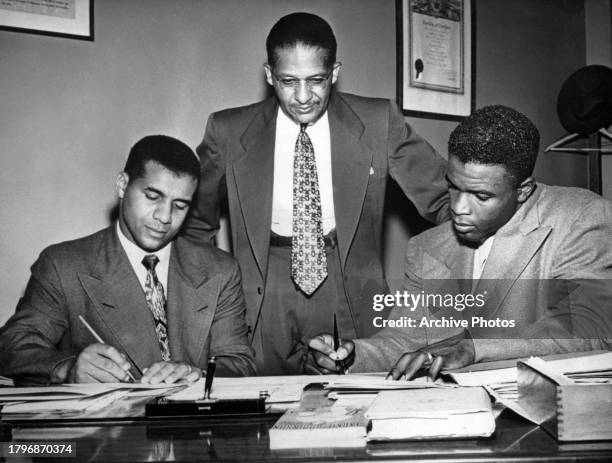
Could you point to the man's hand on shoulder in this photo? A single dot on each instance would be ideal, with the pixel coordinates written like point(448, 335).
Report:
point(323, 359)
point(99, 363)
point(170, 372)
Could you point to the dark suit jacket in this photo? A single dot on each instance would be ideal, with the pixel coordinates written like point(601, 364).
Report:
point(549, 270)
point(369, 141)
point(92, 277)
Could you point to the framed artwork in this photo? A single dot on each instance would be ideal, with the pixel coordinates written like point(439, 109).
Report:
point(62, 18)
point(435, 58)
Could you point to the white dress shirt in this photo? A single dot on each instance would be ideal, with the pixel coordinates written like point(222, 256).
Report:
point(480, 257)
point(284, 150)
point(135, 255)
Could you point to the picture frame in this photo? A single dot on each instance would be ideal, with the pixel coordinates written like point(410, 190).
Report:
point(60, 18)
point(436, 58)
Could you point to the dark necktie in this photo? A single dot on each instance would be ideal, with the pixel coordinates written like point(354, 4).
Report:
point(308, 262)
point(154, 293)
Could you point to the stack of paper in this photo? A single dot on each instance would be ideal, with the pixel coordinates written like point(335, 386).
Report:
point(277, 389)
point(431, 413)
point(4, 381)
point(286, 389)
point(571, 404)
point(500, 378)
point(71, 398)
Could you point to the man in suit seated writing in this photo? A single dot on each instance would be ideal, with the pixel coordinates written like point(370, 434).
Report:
point(162, 306)
point(526, 267)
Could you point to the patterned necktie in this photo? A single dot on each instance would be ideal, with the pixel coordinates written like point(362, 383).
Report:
point(308, 262)
point(154, 293)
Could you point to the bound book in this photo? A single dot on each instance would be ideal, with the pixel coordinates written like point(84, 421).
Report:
point(335, 426)
point(572, 404)
point(463, 412)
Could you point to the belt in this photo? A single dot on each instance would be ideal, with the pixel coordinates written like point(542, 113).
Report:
point(280, 241)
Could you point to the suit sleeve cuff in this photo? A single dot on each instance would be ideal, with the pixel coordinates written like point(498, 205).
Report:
point(59, 372)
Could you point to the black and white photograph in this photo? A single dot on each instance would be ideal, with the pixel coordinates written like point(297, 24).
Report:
point(281, 231)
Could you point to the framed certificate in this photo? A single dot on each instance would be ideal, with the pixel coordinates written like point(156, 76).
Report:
point(435, 58)
point(62, 18)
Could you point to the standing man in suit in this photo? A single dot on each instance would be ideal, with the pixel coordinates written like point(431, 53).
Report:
point(162, 305)
point(536, 259)
point(304, 175)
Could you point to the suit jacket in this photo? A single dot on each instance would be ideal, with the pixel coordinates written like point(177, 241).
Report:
point(92, 277)
point(369, 141)
point(549, 270)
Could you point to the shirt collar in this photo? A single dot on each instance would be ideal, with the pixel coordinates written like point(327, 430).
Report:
point(284, 123)
point(486, 245)
point(135, 253)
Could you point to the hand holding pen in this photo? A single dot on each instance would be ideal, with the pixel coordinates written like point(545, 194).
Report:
point(329, 353)
point(99, 362)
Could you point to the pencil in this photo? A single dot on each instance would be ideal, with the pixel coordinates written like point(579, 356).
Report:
point(101, 341)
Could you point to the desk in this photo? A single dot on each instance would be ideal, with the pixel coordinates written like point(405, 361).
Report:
point(246, 440)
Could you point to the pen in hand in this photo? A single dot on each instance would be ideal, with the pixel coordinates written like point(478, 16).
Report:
point(339, 363)
point(210, 374)
point(101, 341)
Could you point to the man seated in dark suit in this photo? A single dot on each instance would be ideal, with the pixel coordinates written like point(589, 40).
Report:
point(535, 259)
point(161, 305)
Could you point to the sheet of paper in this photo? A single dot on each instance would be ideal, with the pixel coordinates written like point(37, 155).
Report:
point(500, 379)
point(591, 363)
point(378, 382)
point(97, 402)
point(289, 388)
point(578, 363)
point(278, 388)
point(429, 403)
point(484, 377)
point(73, 391)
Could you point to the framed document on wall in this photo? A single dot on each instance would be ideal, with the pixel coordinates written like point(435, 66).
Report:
point(435, 58)
point(63, 18)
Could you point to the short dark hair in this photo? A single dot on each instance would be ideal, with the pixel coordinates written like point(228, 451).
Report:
point(497, 135)
point(169, 152)
point(301, 28)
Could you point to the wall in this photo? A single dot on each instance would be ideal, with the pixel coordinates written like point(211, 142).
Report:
point(70, 110)
point(598, 20)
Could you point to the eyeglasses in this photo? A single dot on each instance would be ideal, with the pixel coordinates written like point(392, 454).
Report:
point(312, 82)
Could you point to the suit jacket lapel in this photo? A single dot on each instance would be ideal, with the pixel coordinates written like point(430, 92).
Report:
point(448, 270)
point(120, 302)
point(515, 245)
point(192, 298)
point(254, 177)
point(254, 174)
point(351, 162)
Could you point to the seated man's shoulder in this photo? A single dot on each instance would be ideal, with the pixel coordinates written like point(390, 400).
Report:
point(435, 236)
point(76, 250)
point(437, 242)
point(564, 205)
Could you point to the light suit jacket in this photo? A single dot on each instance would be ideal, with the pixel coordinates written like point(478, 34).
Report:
point(549, 270)
point(369, 141)
point(92, 277)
